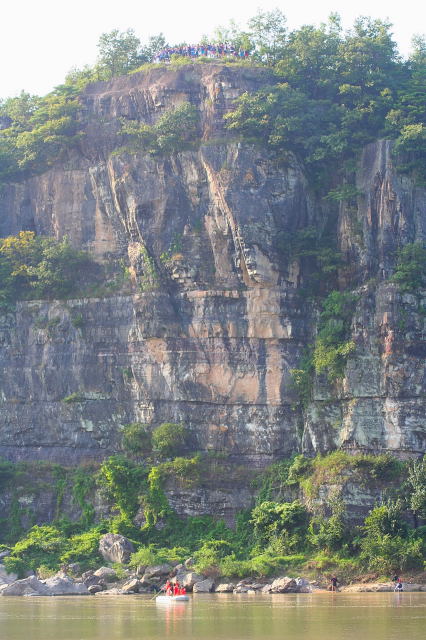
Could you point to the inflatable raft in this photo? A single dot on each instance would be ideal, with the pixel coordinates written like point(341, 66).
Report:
point(170, 599)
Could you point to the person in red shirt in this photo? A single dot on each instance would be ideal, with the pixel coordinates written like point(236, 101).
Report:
point(176, 588)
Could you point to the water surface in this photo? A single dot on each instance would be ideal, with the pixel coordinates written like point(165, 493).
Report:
point(357, 616)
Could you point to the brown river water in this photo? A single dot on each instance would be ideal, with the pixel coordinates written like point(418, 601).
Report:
point(327, 616)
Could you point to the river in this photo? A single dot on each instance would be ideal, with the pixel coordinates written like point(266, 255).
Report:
point(355, 616)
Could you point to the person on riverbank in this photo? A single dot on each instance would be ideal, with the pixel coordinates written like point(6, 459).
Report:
point(398, 585)
point(334, 583)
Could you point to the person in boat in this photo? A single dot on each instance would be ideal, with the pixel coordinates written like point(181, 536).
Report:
point(176, 588)
point(182, 591)
point(168, 588)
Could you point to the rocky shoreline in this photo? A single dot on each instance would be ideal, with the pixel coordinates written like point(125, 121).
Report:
point(150, 579)
point(97, 584)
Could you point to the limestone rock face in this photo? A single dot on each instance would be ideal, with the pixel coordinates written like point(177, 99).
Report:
point(212, 321)
point(114, 547)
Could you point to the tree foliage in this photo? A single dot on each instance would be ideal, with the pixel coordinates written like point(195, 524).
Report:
point(169, 439)
point(410, 271)
point(118, 52)
point(39, 267)
point(175, 130)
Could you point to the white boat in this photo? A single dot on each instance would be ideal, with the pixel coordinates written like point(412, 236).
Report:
point(170, 599)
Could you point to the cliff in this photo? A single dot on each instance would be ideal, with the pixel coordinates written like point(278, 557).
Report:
point(211, 323)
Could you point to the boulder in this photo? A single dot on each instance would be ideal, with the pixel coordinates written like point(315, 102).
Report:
point(5, 577)
point(204, 586)
point(158, 570)
point(64, 586)
point(87, 574)
point(187, 579)
point(106, 573)
point(90, 581)
point(225, 587)
point(26, 587)
point(94, 588)
point(284, 585)
point(115, 548)
point(132, 586)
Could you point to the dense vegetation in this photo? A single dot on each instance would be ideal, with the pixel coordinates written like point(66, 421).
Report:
point(288, 529)
point(34, 267)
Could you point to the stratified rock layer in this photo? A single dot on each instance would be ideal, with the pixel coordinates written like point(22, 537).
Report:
point(214, 323)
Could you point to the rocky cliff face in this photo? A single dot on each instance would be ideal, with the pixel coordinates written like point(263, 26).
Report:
point(213, 322)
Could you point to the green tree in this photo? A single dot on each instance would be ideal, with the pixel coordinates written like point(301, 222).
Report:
point(151, 48)
point(268, 33)
point(309, 61)
point(410, 270)
point(118, 52)
point(272, 519)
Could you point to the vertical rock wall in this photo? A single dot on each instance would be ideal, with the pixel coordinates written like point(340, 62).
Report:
point(214, 323)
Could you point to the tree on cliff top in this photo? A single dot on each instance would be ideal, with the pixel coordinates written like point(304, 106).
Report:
point(118, 52)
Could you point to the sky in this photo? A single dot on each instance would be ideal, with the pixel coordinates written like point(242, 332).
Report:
point(41, 40)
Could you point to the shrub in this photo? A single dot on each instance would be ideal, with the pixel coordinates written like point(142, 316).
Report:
point(136, 439)
point(208, 557)
point(123, 482)
point(176, 130)
point(416, 482)
point(286, 519)
point(84, 549)
point(385, 520)
point(328, 533)
point(151, 555)
point(410, 270)
point(43, 545)
point(388, 554)
point(300, 468)
point(39, 267)
point(169, 439)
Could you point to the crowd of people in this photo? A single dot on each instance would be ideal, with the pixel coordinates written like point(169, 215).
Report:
point(201, 50)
